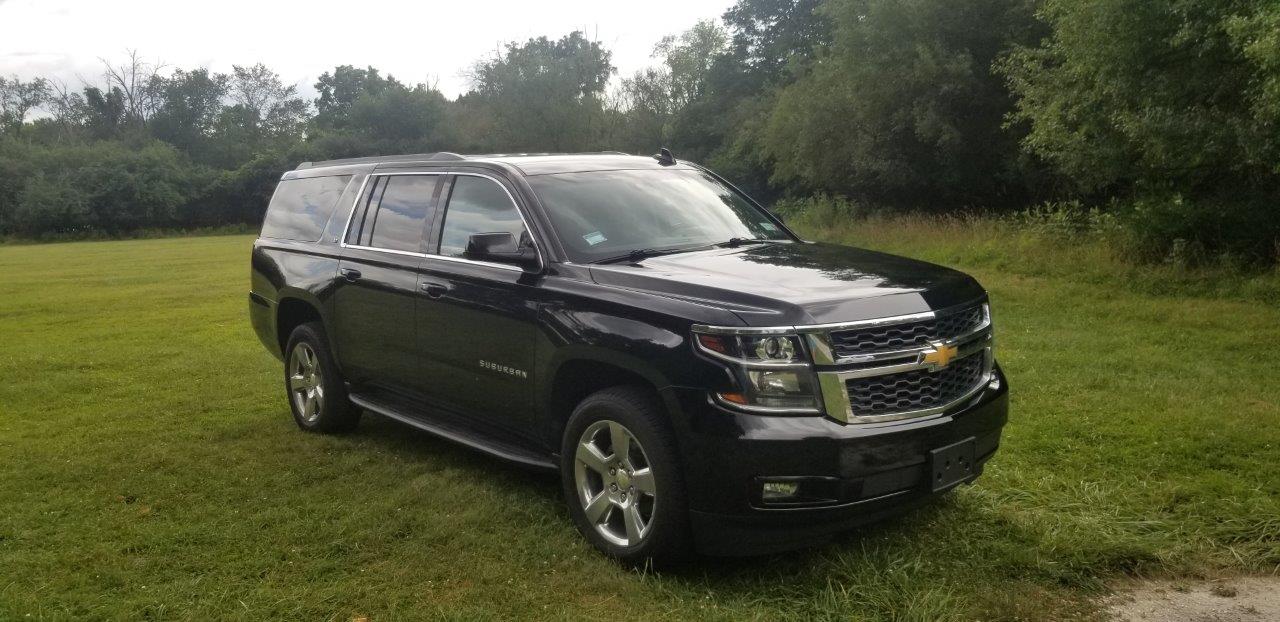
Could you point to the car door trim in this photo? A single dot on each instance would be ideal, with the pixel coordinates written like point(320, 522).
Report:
point(365, 184)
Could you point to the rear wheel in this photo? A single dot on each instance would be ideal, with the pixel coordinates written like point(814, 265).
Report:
point(317, 394)
point(621, 477)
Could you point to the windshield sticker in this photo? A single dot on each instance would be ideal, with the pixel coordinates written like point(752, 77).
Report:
point(768, 226)
point(595, 237)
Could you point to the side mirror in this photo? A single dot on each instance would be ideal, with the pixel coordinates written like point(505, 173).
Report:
point(502, 248)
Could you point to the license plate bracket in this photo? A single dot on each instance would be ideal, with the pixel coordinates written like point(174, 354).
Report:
point(952, 465)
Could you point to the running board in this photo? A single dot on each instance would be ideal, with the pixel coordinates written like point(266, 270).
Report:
point(474, 440)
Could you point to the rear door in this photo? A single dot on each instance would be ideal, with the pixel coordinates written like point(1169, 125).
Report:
point(376, 289)
point(476, 319)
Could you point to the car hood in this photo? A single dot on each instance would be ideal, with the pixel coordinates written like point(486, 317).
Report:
point(792, 284)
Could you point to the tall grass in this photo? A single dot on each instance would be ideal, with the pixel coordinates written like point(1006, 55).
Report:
point(1064, 241)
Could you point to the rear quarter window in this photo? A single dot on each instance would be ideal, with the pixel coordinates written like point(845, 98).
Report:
point(301, 208)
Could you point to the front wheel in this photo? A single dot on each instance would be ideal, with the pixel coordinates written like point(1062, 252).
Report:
point(621, 477)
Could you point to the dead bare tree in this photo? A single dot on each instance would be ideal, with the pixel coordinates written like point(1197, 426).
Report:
point(139, 84)
point(66, 106)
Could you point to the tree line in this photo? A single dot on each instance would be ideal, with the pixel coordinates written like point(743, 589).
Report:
point(1162, 116)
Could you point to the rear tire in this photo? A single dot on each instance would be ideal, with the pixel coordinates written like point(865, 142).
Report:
point(315, 389)
point(629, 504)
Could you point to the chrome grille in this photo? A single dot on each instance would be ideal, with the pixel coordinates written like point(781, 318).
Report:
point(906, 336)
point(918, 389)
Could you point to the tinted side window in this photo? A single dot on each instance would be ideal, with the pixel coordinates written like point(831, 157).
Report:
point(301, 208)
point(403, 213)
point(477, 205)
point(356, 233)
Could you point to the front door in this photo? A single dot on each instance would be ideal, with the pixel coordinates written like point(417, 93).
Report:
point(376, 291)
point(476, 319)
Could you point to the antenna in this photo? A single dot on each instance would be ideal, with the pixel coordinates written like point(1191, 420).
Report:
point(664, 157)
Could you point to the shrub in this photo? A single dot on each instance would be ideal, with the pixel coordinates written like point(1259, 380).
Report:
point(107, 186)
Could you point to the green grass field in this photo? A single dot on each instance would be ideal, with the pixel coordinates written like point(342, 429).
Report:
point(149, 468)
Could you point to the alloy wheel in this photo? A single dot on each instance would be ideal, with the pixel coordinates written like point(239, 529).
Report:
point(305, 382)
point(615, 483)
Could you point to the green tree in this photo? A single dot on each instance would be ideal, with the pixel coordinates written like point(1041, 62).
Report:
point(17, 98)
point(363, 113)
point(1171, 105)
point(652, 98)
point(904, 107)
point(103, 186)
point(771, 43)
point(103, 113)
point(545, 95)
point(338, 92)
point(273, 108)
point(260, 113)
point(774, 39)
point(189, 103)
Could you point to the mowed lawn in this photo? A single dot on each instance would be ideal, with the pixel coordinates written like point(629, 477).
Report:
point(149, 469)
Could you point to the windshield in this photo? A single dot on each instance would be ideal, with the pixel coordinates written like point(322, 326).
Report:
point(604, 214)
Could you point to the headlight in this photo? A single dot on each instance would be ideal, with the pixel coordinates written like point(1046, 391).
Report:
point(768, 349)
point(772, 368)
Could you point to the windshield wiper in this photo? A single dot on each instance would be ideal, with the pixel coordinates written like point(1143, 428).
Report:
point(736, 242)
point(641, 254)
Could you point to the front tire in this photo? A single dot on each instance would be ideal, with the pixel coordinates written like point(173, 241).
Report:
point(317, 394)
point(621, 477)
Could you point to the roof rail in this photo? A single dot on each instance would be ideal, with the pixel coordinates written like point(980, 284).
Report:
point(415, 157)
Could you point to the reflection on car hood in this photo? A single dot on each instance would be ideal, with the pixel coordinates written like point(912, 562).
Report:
point(797, 283)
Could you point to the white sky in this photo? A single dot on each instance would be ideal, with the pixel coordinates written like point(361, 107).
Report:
point(423, 41)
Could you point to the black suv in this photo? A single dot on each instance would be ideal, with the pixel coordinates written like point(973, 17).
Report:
point(698, 375)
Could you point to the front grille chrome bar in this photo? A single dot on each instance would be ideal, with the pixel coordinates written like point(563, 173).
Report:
point(824, 352)
point(835, 392)
point(832, 383)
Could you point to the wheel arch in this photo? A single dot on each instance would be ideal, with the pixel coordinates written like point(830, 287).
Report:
point(581, 373)
point(293, 310)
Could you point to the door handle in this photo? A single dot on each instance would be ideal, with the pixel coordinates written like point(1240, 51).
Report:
point(433, 289)
point(350, 274)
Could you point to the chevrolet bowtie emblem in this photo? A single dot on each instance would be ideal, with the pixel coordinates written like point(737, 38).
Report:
point(940, 356)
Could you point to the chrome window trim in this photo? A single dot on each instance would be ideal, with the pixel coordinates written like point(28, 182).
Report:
point(342, 241)
point(542, 264)
point(463, 260)
point(385, 250)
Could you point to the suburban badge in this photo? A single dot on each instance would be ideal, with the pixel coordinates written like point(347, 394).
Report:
point(504, 369)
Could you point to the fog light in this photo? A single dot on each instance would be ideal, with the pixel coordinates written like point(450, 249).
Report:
point(780, 389)
point(779, 491)
point(776, 382)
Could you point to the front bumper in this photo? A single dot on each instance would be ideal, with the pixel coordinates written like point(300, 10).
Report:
point(866, 471)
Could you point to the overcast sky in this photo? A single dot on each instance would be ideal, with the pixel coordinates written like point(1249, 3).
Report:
point(422, 41)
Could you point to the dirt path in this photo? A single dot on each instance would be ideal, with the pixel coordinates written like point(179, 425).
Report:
point(1243, 599)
